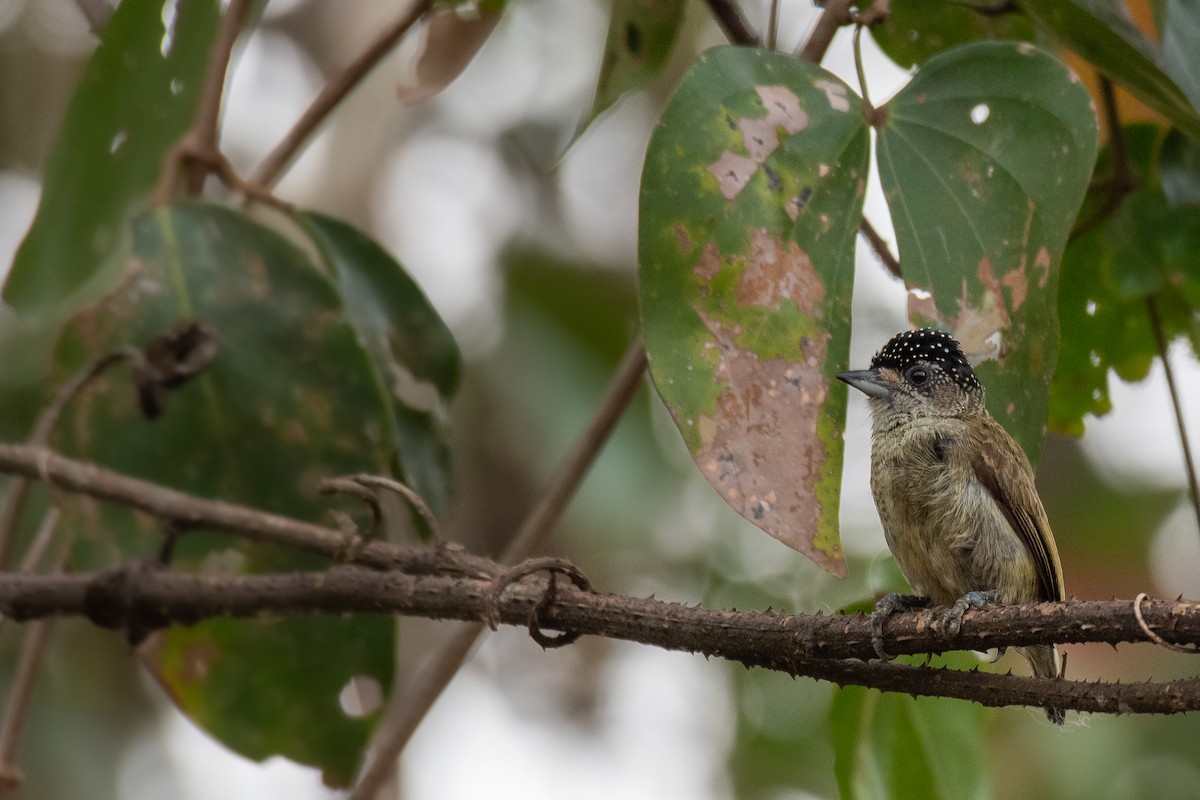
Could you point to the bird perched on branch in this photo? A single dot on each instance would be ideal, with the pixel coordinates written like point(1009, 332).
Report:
point(955, 493)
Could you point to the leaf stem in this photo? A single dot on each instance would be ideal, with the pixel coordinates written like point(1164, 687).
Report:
point(1160, 339)
point(773, 25)
point(335, 90)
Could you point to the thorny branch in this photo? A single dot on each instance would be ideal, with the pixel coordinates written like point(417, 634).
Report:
point(833, 648)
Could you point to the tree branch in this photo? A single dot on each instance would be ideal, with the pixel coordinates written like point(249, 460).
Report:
point(818, 646)
point(733, 22)
point(188, 512)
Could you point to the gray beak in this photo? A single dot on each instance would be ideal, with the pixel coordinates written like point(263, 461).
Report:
point(868, 382)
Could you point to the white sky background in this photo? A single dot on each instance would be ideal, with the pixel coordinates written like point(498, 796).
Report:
point(443, 201)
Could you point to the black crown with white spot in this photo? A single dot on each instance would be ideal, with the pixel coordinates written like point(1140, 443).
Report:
point(933, 347)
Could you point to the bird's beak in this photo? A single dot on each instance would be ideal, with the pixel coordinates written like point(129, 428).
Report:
point(868, 382)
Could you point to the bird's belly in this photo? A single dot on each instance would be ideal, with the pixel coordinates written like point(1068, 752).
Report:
point(949, 536)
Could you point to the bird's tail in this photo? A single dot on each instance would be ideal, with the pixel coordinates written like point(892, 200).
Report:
point(1046, 663)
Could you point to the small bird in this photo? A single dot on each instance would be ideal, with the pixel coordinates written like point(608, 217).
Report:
point(955, 493)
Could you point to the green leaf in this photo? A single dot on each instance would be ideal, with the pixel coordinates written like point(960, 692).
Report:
point(1146, 250)
point(408, 343)
point(641, 35)
point(890, 745)
point(1102, 32)
point(919, 29)
point(291, 399)
point(751, 197)
point(1179, 169)
point(1180, 44)
point(132, 104)
point(984, 157)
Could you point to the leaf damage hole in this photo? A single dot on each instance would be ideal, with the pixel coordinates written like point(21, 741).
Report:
point(360, 697)
point(980, 113)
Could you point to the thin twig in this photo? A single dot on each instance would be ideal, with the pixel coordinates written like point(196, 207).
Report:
point(415, 500)
point(835, 15)
point(880, 247)
point(1160, 340)
point(198, 152)
point(733, 22)
point(836, 648)
point(190, 512)
point(404, 715)
point(20, 696)
point(38, 547)
point(1123, 179)
point(335, 90)
point(773, 25)
point(47, 421)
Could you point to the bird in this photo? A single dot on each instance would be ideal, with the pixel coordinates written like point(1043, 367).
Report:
point(955, 493)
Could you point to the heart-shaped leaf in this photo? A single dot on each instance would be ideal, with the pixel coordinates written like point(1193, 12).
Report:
point(751, 197)
point(415, 356)
point(985, 157)
point(290, 399)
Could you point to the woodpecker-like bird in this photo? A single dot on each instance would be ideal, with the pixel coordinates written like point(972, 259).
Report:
point(955, 493)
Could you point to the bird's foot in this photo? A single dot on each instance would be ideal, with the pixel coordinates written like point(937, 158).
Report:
point(952, 619)
point(889, 604)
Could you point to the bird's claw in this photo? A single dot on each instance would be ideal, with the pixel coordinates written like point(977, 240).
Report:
point(952, 619)
point(889, 604)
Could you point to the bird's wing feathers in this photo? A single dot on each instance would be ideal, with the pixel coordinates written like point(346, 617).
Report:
point(1015, 493)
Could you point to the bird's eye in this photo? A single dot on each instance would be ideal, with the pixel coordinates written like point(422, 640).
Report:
point(917, 375)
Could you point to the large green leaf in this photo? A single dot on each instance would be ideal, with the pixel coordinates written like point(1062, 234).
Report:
point(751, 197)
point(292, 398)
point(915, 30)
point(985, 157)
point(890, 745)
point(137, 96)
point(1180, 44)
point(408, 343)
point(641, 35)
point(1102, 32)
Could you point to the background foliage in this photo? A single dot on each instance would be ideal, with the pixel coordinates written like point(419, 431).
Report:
point(509, 201)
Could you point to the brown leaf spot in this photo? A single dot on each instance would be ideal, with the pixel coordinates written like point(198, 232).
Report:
point(776, 271)
point(978, 328)
point(732, 172)
point(783, 108)
point(1018, 284)
point(760, 138)
point(1042, 262)
point(921, 305)
point(709, 264)
point(835, 92)
point(764, 455)
point(685, 240)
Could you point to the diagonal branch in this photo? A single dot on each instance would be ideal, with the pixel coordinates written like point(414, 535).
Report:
point(817, 646)
point(336, 90)
point(189, 512)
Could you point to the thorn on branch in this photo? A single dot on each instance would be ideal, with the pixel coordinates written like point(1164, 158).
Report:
point(555, 567)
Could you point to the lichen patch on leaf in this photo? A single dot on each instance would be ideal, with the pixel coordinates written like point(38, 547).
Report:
point(779, 271)
point(769, 412)
point(732, 172)
point(835, 92)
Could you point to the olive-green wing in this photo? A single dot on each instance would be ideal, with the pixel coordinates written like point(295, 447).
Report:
point(1014, 491)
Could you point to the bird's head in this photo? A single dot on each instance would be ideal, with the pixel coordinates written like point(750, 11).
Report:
point(920, 373)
